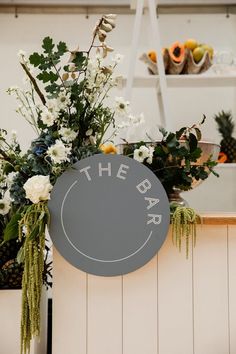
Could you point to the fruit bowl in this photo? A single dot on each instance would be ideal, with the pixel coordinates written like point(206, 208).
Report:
point(187, 58)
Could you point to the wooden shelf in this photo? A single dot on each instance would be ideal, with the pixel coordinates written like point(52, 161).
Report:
point(183, 81)
point(219, 219)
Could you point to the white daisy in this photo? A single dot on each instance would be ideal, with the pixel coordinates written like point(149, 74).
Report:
point(122, 106)
point(59, 152)
point(63, 100)
point(47, 117)
point(52, 105)
point(141, 154)
point(67, 134)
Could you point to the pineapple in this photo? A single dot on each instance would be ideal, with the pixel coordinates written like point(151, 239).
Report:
point(12, 274)
point(226, 127)
point(10, 270)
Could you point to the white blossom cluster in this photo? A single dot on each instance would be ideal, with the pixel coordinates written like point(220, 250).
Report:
point(50, 112)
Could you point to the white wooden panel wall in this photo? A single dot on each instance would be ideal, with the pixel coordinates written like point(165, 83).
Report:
point(169, 306)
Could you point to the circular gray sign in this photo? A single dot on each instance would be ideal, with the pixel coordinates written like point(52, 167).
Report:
point(109, 215)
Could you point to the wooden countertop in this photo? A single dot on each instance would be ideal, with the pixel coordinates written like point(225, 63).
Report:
point(219, 219)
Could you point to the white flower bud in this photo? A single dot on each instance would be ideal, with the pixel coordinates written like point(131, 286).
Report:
point(106, 27)
point(110, 22)
point(110, 16)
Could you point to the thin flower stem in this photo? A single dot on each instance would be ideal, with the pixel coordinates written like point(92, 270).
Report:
point(32, 79)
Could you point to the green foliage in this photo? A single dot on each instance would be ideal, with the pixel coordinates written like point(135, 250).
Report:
point(48, 45)
point(47, 76)
point(47, 61)
point(175, 158)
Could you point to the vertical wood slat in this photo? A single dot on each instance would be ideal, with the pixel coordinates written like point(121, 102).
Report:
point(104, 315)
point(69, 308)
point(175, 300)
point(211, 291)
point(140, 310)
point(232, 286)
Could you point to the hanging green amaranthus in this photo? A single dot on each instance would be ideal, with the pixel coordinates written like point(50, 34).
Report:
point(184, 226)
point(32, 226)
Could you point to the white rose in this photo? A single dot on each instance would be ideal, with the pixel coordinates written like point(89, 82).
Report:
point(38, 188)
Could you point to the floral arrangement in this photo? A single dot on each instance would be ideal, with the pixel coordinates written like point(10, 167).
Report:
point(65, 103)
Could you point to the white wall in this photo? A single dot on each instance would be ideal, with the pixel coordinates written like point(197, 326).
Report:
point(186, 105)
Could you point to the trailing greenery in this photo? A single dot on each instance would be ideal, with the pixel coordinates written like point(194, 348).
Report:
point(32, 225)
point(184, 224)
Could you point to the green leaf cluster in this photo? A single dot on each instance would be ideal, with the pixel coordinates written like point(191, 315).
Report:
point(47, 63)
point(175, 158)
